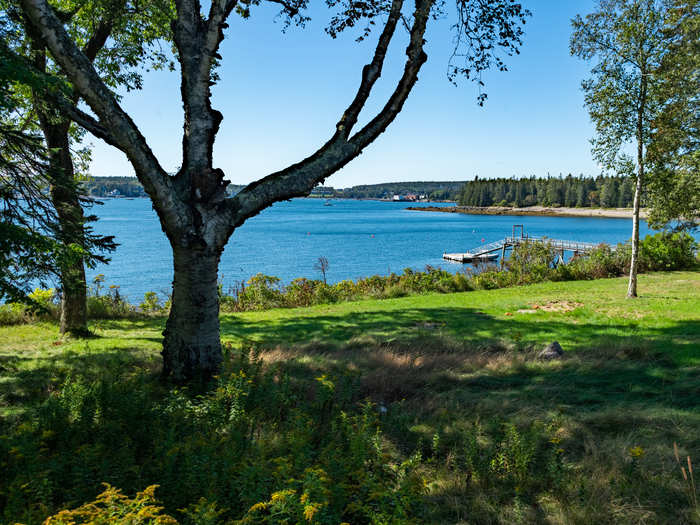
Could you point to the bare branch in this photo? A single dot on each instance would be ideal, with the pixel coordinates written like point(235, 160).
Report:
point(416, 57)
point(371, 72)
point(299, 179)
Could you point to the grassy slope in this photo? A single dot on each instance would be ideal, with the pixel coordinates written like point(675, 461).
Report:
point(441, 362)
point(668, 311)
point(666, 318)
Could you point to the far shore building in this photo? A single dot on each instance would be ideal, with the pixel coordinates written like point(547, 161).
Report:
point(409, 197)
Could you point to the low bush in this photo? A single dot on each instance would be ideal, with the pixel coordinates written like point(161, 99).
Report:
point(42, 305)
point(151, 304)
point(667, 251)
point(110, 305)
point(13, 313)
point(114, 507)
point(259, 445)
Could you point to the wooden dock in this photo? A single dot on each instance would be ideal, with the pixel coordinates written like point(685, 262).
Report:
point(468, 257)
point(490, 251)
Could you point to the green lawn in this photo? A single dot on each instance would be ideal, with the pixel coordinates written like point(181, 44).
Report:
point(449, 368)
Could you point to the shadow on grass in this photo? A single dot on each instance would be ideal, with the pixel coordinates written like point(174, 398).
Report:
point(27, 381)
point(589, 376)
point(439, 371)
point(464, 324)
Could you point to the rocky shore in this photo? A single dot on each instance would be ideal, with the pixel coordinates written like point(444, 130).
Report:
point(614, 213)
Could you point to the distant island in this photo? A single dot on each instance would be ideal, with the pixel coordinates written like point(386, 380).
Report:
point(549, 192)
point(130, 187)
point(522, 196)
point(124, 187)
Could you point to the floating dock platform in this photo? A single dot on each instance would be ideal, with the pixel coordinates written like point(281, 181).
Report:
point(491, 251)
point(469, 257)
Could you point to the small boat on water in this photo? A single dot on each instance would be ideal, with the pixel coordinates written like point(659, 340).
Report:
point(328, 203)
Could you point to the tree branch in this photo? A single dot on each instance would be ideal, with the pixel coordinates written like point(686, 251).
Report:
point(98, 39)
point(84, 120)
point(126, 136)
point(299, 179)
point(198, 42)
point(289, 8)
point(371, 72)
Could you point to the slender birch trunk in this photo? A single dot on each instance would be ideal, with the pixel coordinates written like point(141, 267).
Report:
point(634, 261)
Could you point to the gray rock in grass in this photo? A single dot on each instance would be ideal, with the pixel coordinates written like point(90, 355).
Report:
point(551, 351)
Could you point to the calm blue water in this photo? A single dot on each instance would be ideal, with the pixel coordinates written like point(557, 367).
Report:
point(359, 238)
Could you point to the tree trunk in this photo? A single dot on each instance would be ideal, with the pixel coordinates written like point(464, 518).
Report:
point(192, 344)
point(632, 286)
point(65, 199)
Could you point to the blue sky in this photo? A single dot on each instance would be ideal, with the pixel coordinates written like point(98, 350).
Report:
point(282, 93)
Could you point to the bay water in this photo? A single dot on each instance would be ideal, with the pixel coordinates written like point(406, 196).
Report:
point(359, 239)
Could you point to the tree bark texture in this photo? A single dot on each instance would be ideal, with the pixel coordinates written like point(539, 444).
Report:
point(634, 260)
point(191, 345)
point(66, 201)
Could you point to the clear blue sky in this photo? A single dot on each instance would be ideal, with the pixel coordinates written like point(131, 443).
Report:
point(281, 95)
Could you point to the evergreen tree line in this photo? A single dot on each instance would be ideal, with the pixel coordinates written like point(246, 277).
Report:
point(433, 190)
point(569, 191)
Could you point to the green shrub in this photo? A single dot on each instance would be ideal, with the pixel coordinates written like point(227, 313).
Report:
point(13, 313)
point(151, 303)
point(261, 292)
point(302, 292)
point(109, 306)
point(531, 262)
point(603, 262)
point(667, 251)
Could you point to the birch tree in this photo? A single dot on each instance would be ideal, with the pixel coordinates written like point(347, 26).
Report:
point(623, 39)
point(195, 212)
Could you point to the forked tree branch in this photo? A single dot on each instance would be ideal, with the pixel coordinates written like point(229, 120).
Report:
point(299, 179)
point(84, 120)
point(370, 72)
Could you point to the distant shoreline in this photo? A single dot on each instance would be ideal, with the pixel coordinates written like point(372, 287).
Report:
point(541, 211)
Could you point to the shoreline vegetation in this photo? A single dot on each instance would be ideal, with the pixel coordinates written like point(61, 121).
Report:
point(541, 211)
point(528, 264)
